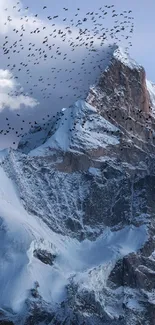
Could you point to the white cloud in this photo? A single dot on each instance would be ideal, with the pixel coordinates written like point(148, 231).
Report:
point(62, 81)
point(80, 84)
point(7, 84)
point(72, 81)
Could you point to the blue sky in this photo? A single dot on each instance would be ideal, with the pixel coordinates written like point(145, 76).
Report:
point(34, 106)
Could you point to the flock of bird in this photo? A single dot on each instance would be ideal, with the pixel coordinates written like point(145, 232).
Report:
point(86, 31)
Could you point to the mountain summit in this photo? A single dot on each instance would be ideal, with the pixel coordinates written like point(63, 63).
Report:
point(123, 97)
point(77, 209)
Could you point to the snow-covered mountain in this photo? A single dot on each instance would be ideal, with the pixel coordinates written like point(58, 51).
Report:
point(77, 210)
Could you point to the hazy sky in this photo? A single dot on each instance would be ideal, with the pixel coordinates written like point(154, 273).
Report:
point(69, 80)
point(143, 48)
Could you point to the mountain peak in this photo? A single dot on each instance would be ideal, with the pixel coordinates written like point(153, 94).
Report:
point(80, 129)
point(116, 113)
point(123, 94)
point(123, 57)
point(77, 210)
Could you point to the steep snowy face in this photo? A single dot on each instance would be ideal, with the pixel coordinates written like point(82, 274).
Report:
point(80, 128)
point(44, 267)
point(65, 236)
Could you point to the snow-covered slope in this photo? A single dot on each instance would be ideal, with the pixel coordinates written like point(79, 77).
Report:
point(21, 234)
point(80, 128)
point(36, 136)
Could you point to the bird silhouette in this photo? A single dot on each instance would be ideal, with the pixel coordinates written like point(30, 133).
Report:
point(89, 26)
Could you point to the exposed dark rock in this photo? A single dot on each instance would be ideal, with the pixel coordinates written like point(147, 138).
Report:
point(44, 256)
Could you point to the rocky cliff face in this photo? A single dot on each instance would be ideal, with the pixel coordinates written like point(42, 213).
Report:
point(82, 194)
point(122, 96)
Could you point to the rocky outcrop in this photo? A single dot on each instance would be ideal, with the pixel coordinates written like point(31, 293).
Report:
point(44, 256)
